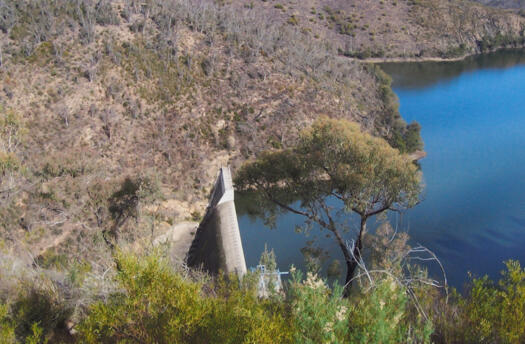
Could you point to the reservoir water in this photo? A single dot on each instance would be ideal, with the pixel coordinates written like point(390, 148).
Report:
point(472, 215)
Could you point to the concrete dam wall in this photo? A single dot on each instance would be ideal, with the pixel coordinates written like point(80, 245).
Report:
point(217, 244)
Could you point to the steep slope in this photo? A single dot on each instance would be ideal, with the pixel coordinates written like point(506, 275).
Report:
point(163, 93)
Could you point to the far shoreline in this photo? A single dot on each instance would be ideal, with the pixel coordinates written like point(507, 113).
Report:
point(376, 60)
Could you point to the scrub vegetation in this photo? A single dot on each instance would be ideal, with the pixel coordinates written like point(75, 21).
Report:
point(149, 299)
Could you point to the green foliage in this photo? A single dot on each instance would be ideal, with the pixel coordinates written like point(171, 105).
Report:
point(239, 316)
point(335, 160)
point(36, 336)
point(404, 137)
point(156, 304)
point(7, 327)
point(489, 43)
point(32, 317)
point(319, 313)
point(314, 257)
point(38, 313)
point(334, 156)
point(153, 303)
point(412, 137)
point(408, 139)
point(12, 130)
point(381, 312)
point(341, 20)
point(293, 20)
point(495, 312)
point(268, 259)
point(381, 315)
point(455, 51)
point(61, 165)
point(8, 162)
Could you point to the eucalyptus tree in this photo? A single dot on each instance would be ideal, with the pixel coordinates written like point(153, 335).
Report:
point(333, 168)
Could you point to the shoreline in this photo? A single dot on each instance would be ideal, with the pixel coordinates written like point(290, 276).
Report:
point(375, 60)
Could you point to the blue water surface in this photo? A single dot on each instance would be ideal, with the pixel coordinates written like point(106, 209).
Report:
point(473, 126)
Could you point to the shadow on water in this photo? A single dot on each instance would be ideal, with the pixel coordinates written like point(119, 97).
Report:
point(409, 75)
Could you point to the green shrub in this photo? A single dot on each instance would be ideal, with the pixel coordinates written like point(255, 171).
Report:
point(159, 305)
point(456, 51)
point(8, 162)
point(412, 137)
point(153, 303)
point(38, 313)
point(154, 306)
point(382, 315)
point(7, 327)
point(495, 312)
point(499, 40)
point(237, 315)
point(293, 20)
point(319, 313)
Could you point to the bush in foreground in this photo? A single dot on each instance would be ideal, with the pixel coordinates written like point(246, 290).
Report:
point(159, 305)
point(154, 303)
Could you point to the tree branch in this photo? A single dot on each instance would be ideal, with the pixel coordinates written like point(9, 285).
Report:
point(380, 210)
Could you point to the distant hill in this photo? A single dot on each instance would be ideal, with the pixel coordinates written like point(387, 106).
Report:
point(401, 28)
point(504, 3)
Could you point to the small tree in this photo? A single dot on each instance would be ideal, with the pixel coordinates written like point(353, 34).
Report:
point(334, 168)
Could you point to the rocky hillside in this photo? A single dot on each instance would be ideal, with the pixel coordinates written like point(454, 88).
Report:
point(115, 115)
point(402, 28)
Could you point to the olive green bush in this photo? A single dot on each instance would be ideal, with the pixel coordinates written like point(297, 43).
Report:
point(319, 313)
point(158, 305)
point(30, 320)
point(383, 315)
point(38, 313)
point(494, 312)
point(7, 327)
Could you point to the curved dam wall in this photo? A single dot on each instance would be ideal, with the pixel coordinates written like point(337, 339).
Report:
point(217, 244)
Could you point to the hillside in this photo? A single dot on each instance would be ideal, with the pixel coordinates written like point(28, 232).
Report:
point(504, 3)
point(117, 114)
point(402, 28)
point(163, 93)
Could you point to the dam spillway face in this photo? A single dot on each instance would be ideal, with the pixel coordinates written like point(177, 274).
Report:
point(217, 244)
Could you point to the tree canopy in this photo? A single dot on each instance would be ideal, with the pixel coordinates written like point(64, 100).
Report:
point(334, 159)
